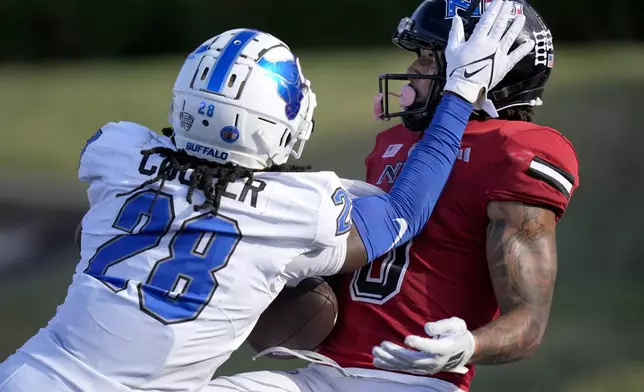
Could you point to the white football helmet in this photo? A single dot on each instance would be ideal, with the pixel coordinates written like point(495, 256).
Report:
point(241, 97)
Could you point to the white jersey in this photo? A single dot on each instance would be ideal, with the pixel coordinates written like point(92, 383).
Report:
point(163, 295)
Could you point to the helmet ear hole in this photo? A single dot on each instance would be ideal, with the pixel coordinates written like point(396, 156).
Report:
point(204, 73)
point(286, 138)
point(231, 81)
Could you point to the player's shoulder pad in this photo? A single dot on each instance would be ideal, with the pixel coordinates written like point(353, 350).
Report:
point(313, 205)
point(112, 144)
point(313, 183)
point(544, 152)
point(116, 135)
point(333, 207)
point(334, 212)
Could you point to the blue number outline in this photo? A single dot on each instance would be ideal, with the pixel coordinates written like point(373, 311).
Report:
point(202, 107)
point(341, 197)
point(98, 265)
point(216, 264)
point(116, 284)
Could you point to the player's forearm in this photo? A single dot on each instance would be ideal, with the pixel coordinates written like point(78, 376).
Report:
point(522, 261)
point(512, 337)
point(385, 221)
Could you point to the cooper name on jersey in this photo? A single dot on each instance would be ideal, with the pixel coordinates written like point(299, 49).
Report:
point(252, 186)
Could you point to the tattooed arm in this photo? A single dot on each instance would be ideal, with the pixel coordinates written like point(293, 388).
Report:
point(522, 260)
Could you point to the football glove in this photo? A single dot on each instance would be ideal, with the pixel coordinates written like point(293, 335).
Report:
point(477, 65)
point(450, 347)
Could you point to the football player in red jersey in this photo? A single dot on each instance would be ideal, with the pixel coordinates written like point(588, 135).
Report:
point(476, 285)
point(482, 272)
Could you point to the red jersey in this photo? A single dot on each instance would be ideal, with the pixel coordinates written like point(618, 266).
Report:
point(443, 271)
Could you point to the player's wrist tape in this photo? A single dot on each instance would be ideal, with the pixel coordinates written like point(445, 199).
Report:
point(396, 217)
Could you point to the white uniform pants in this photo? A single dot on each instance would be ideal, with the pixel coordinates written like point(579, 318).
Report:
point(321, 378)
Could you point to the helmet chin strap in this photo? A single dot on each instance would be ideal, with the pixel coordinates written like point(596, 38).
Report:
point(417, 122)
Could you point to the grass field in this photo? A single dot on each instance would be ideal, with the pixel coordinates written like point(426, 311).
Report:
point(49, 110)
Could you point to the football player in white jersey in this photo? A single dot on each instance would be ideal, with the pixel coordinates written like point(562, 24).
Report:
point(191, 235)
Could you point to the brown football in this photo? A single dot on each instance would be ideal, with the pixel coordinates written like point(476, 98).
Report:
point(300, 318)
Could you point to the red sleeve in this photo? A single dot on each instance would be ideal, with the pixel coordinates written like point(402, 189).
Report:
point(538, 166)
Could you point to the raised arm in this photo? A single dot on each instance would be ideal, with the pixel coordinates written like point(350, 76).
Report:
point(383, 222)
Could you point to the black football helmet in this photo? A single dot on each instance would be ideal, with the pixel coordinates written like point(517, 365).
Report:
point(428, 28)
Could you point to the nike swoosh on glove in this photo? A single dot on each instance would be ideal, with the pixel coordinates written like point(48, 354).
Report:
point(477, 65)
point(449, 349)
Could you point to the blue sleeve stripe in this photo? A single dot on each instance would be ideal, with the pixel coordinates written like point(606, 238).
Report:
point(227, 59)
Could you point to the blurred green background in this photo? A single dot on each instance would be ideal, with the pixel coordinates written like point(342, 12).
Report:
point(70, 66)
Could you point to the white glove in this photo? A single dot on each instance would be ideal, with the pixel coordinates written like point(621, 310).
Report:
point(449, 350)
point(475, 66)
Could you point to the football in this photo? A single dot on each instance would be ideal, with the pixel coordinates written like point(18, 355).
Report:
point(300, 318)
